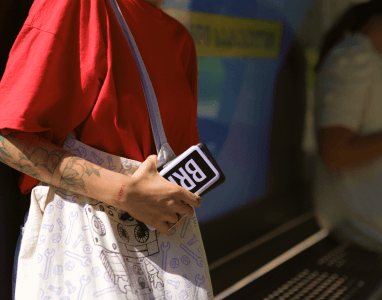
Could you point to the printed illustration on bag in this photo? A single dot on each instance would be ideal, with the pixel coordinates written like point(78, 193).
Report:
point(126, 244)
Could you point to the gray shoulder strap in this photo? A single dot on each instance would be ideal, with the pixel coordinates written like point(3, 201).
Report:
point(165, 153)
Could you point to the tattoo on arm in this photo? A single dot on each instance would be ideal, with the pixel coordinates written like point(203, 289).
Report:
point(39, 157)
point(4, 154)
point(27, 158)
point(74, 172)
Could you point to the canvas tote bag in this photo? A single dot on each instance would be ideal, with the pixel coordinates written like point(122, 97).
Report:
point(78, 248)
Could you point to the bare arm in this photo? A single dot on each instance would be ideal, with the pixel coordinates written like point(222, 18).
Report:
point(147, 196)
point(341, 148)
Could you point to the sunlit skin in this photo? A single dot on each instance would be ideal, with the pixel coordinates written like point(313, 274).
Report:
point(146, 196)
point(341, 148)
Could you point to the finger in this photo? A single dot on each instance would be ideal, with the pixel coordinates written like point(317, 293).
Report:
point(190, 198)
point(172, 218)
point(163, 227)
point(183, 209)
point(181, 221)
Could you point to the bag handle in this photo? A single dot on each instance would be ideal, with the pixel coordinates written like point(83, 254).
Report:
point(165, 153)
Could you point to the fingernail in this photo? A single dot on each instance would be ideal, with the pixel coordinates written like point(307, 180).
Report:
point(199, 200)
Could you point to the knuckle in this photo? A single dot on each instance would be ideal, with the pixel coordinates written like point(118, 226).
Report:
point(172, 218)
point(190, 212)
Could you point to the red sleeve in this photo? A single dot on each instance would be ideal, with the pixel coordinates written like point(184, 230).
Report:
point(192, 77)
point(48, 87)
point(43, 89)
point(54, 72)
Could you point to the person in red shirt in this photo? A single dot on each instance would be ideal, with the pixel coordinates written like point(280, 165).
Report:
point(71, 70)
point(63, 77)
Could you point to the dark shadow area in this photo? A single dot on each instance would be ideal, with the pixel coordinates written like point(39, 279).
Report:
point(13, 205)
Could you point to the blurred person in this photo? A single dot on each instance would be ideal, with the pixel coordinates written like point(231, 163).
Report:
point(348, 116)
point(71, 70)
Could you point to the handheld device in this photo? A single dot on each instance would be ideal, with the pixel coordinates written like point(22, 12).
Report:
point(195, 169)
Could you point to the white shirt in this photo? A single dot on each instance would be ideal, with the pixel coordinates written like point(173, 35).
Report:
point(349, 94)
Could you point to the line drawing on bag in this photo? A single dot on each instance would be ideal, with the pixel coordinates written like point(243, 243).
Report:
point(166, 296)
point(71, 288)
point(111, 163)
point(60, 225)
point(56, 290)
point(199, 281)
point(107, 277)
point(48, 254)
point(112, 289)
point(82, 206)
point(60, 204)
point(188, 283)
point(72, 198)
point(183, 295)
point(56, 238)
point(125, 245)
point(174, 283)
point(57, 270)
point(96, 272)
point(185, 260)
point(80, 239)
point(184, 228)
point(85, 280)
point(164, 249)
point(49, 209)
point(72, 218)
point(192, 241)
point(83, 151)
point(126, 166)
point(88, 249)
point(173, 231)
point(174, 263)
point(85, 260)
point(48, 227)
point(99, 161)
point(41, 239)
point(39, 258)
point(198, 259)
point(70, 265)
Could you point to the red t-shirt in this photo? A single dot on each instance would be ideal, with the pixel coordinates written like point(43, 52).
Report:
point(71, 69)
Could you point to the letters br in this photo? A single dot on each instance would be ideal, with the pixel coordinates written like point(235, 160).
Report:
point(192, 172)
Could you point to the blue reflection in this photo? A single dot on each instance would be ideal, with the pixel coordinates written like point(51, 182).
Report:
point(236, 101)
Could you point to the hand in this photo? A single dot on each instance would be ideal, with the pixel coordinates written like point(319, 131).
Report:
point(156, 201)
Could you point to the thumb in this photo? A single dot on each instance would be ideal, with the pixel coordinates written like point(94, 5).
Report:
point(148, 165)
point(153, 158)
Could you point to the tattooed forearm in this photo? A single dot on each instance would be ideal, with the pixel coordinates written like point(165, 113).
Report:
point(29, 154)
point(72, 177)
point(28, 163)
point(4, 153)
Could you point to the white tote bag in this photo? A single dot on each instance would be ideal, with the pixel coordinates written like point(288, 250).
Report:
point(76, 248)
